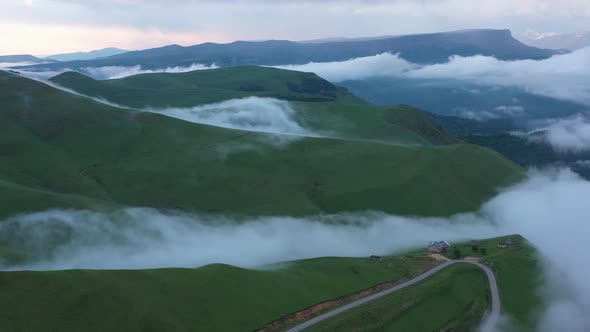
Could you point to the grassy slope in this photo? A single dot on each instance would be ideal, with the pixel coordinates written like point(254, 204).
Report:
point(519, 275)
point(59, 143)
point(211, 298)
point(206, 86)
point(453, 299)
point(226, 298)
point(320, 105)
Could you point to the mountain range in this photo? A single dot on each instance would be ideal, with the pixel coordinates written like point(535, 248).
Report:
point(91, 55)
point(420, 48)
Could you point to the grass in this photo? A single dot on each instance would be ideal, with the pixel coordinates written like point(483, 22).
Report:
point(68, 146)
point(453, 299)
point(207, 86)
point(519, 275)
point(320, 105)
point(226, 298)
point(211, 298)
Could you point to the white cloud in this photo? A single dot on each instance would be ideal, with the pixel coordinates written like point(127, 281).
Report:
point(267, 115)
point(583, 163)
point(510, 110)
point(16, 64)
point(502, 111)
point(381, 65)
point(113, 72)
point(550, 209)
point(563, 76)
point(569, 135)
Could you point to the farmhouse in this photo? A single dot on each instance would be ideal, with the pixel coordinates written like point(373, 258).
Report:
point(473, 243)
point(376, 258)
point(438, 246)
point(502, 245)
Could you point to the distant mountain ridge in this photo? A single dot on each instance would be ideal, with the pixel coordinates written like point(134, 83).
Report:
point(421, 48)
point(19, 58)
point(91, 55)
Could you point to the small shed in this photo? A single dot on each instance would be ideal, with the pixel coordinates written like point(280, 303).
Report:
point(473, 243)
point(376, 258)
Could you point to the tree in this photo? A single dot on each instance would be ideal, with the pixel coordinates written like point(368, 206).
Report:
point(457, 253)
point(474, 248)
point(483, 251)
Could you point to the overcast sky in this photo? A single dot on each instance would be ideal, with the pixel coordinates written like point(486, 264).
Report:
point(53, 26)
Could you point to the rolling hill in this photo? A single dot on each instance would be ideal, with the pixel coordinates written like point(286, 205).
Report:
point(418, 48)
point(75, 152)
point(205, 298)
point(322, 106)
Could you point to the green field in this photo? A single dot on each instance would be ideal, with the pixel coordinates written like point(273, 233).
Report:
point(520, 277)
point(207, 86)
point(210, 298)
point(453, 299)
point(321, 106)
point(457, 297)
point(226, 298)
point(58, 146)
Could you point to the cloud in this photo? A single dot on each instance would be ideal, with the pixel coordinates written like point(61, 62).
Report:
point(569, 135)
point(549, 208)
point(381, 65)
point(502, 111)
point(56, 26)
point(583, 163)
point(267, 115)
point(563, 76)
point(113, 72)
point(145, 238)
point(17, 64)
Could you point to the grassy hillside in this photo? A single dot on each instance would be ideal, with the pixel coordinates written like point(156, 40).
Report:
point(452, 300)
point(62, 144)
point(211, 298)
point(320, 106)
point(227, 298)
point(456, 298)
point(206, 86)
point(520, 276)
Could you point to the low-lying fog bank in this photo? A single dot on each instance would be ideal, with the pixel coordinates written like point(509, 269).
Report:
point(258, 114)
point(106, 72)
point(549, 208)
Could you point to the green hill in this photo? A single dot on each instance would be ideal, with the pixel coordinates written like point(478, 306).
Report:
point(57, 143)
point(323, 107)
point(206, 86)
point(226, 298)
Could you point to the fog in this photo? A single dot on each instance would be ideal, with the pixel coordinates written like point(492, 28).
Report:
point(112, 72)
point(16, 64)
point(267, 115)
point(549, 208)
point(563, 76)
point(569, 135)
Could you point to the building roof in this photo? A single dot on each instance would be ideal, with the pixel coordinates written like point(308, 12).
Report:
point(439, 244)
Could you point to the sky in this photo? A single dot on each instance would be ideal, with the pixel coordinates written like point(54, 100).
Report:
point(44, 27)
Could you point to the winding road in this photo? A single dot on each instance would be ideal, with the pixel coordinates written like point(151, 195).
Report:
point(487, 327)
